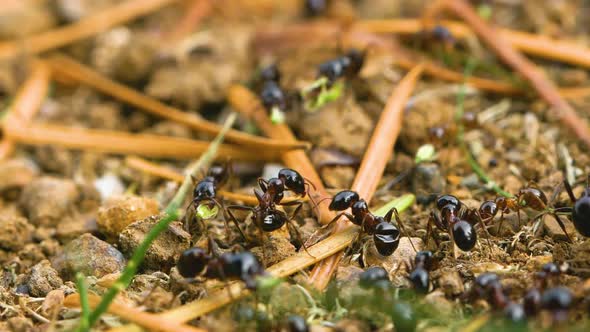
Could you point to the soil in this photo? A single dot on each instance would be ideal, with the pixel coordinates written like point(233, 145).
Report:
point(65, 211)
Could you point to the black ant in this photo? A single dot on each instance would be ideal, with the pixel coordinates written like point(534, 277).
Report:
point(315, 7)
point(488, 286)
point(419, 277)
point(241, 265)
point(457, 220)
point(265, 215)
point(581, 209)
point(532, 298)
point(528, 197)
point(439, 34)
point(445, 132)
point(385, 234)
point(274, 99)
point(345, 66)
point(206, 190)
point(374, 277)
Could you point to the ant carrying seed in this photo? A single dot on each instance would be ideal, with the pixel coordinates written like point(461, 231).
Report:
point(228, 266)
point(419, 277)
point(457, 220)
point(274, 99)
point(265, 215)
point(205, 192)
point(385, 234)
point(581, 209)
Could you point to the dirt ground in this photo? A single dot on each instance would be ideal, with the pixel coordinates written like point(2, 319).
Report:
point(65, 211)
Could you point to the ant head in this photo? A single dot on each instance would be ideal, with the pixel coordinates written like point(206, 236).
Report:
point(442, 33)
point(276, 185)
point(581, 213)
point(273, 220)
point(386, 238)
point(218, 173)
point(205, 189)
point(192, 262)
point(373, 276)
point(420, 279)
point(293, 181)
point(484, 281)
point(270, 73)
point(488, 209)
point(343, 200)
point(464, 235)
point(272, 95)
point(448, 200)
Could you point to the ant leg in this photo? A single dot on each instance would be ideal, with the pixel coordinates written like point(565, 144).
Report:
point(501, 222)
point(485, 230)
point(233, 218)
point(454, 247)
point(562, 226)
point(187, 219)
point(298, 205)
point(263, 184)
point(221, 206)
point(568, 189)
point(348, 216)
point(429, 231)
point(400, 223)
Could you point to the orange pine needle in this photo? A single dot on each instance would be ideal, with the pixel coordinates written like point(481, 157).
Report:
point(197, 10)
point(27, 103)
point(147, 320)
point(148, 167)
point(244, 101)
point(84, 28)
point(378, 152)
point(116, 142)
point(540, 46)
point(545, 88)
point(64, 66)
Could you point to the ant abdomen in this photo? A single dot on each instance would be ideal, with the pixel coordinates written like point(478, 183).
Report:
point(386, 238)
point(581, 213)
point(343, 200)
point(373, 276)
point(420, 280)
point(464, 235)
point(273, 220)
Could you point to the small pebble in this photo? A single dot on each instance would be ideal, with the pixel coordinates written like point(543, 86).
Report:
point(162, 254)
point(89, 255)
point(120, 211)
point(43, 279)
point(47, 200)
point(15, 232)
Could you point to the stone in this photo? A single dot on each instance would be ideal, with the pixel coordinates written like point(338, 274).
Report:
point(16, 173)
point(164, 251)
point(43, 279)
point(120, 211)
point(89, 255)
point(450, 282)
point(16, 232)
point(402, 255)
point(552, 228)
point(47, 200)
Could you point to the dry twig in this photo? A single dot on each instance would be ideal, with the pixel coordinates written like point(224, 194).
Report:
point(378, 152)
point(147, 320)
point(66, 67)
point(26, 103)
point(116, 142)
point(81, 29)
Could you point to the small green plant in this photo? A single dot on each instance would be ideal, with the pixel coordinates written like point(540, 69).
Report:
point(170, 214)
point(315, 100)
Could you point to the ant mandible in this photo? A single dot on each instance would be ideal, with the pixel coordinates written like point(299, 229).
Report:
point(206, 190)
point(240, 265)
point(265, 215)
point(453, 217)
point(581, 209)
point(385, 234)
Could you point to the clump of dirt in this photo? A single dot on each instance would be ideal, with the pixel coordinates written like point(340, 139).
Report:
point(119, 212)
